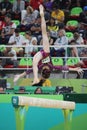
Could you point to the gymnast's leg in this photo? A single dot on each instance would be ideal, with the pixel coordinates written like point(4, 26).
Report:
point(17, 77)
point(46, 48)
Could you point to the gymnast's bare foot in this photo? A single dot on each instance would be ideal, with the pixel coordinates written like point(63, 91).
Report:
point(41, 8)
point(16, 78)
point(36, 81)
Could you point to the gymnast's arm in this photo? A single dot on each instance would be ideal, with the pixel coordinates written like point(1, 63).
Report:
point(66, 68)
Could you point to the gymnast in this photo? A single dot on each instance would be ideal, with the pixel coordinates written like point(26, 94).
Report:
point(43, 56)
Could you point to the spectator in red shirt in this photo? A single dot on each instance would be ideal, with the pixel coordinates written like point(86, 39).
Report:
point(8, 29)
point(2, 24)
point(35, 4)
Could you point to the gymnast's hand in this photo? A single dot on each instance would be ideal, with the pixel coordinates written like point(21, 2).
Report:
point(79, 70)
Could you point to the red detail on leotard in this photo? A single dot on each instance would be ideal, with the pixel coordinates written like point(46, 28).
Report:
point(44, 54)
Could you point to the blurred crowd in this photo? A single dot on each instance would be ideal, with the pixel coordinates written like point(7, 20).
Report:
point(20, 25)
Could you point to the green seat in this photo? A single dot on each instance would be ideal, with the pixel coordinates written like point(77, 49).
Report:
point(25, 62)
point(57, 61)
point(30, 89)
point(12, 1)
point(2, 48)
point(69, 35)
point(48, 90)
point(11, 91)
point(75, 11)
point(72, 23)
point(17, 22)
point(16, 88)
point(72, 61)
point(22, 33)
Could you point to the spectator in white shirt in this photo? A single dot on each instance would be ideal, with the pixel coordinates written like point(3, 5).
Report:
point(76, 40)
point(31, 41)
point(29, 17)
point(62, 40)
point(18, 40)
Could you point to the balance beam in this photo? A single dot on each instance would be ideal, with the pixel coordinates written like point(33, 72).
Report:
point(40, 102)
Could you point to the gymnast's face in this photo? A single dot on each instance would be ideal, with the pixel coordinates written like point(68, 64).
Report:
point(45, 72)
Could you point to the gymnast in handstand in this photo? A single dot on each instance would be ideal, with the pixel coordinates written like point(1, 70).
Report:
point(41, 55)
point(44, 57)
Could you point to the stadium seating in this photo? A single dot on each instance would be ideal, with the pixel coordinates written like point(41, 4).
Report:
point(31, 90)
point(75, 11)
point(25, 62)
point(72, 61)
point(57, 61)
point(69, 35)
point(12, 1)
point(22, 33)
point(72, 25)
point(17, 22)
point(2, 48)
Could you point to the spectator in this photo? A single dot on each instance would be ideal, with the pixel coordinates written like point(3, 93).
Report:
point(30, 51)
point(83, 15)
point(28, 19)
point(2, 24)
point(61, 40)
point(47, 15)
point(58, 15)
point(64, 4)
point(81, 3)
point(48, 4)
point(36, 29)
point(18, 6)
point(8, 29)
point(18, 40)
point(5, 7)
point(35, 4)
point(52, 28)
point(82, 30)
point(76, 40)
point(75, 3)
point(12, 57)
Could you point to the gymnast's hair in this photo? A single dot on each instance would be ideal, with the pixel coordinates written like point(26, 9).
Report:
point(46, 70)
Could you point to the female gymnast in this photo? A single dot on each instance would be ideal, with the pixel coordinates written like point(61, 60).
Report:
point(44, 57)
